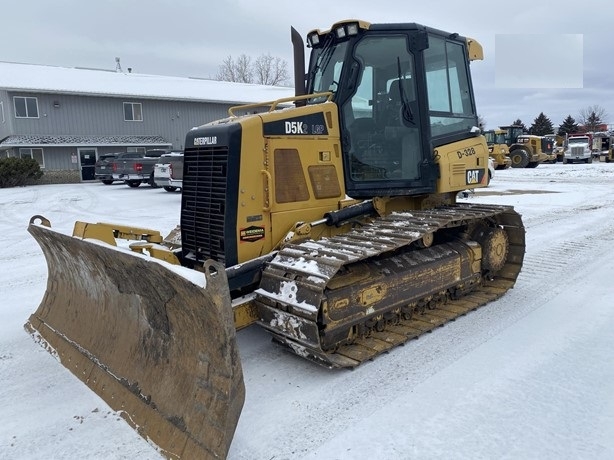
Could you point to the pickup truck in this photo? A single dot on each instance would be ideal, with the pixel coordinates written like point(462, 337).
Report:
point(134, 169)
point(103, 170)
point(168, 172)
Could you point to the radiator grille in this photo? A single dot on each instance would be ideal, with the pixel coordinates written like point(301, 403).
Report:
point(204, 203)
point(577, 150)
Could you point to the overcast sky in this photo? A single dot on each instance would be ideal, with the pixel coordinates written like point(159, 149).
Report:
point(562, 62)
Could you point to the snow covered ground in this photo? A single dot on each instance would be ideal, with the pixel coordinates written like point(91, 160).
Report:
point(528, 376)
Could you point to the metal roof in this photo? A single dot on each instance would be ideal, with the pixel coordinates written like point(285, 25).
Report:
point(35, 140)
point(91, 82)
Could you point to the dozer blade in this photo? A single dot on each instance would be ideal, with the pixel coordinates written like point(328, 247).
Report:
point(155, 346)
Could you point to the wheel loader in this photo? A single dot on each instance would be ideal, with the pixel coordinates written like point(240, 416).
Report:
point(329, 219)
point(527, 151)
point(498, 149)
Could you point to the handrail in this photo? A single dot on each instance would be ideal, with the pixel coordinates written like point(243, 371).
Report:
point(267, 190)
point(273, 104)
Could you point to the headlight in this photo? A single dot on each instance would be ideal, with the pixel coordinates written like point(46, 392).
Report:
point(352, 29)
point(313, 39)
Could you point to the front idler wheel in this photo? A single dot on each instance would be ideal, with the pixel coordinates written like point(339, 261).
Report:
point(495, 248)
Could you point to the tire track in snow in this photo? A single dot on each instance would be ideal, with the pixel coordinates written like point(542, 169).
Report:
point(329, 403)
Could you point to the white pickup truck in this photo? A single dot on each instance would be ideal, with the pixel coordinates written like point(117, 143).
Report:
point(168, 171)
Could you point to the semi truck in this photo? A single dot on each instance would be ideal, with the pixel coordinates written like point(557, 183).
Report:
point(579, 148)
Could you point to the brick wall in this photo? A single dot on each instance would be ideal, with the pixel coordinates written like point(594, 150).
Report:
point(60, 177)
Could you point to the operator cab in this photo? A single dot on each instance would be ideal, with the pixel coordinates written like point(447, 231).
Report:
point(512, 133)
point(402, 90)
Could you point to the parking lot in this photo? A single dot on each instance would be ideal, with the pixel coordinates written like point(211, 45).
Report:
point(534, 365)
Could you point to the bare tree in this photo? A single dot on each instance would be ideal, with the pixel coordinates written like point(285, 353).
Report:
point(237, 70)
point(265, 70)
point(244, 72)
point(592, 117)
point(270, 70)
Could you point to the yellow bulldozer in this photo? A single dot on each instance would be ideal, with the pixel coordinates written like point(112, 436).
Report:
point(332, 223)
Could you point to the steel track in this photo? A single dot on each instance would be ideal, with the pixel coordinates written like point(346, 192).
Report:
point(310, 267)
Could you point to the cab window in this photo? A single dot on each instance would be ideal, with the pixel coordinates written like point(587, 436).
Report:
point(451, 109)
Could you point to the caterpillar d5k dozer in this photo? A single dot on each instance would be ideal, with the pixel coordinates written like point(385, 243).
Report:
point(333, 224)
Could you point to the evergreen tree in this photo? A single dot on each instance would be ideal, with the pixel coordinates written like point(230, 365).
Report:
point(481, 123)
point(541, 125)
point(520, 123)
point(593, 122)
point(568, 126)
point(593, 117)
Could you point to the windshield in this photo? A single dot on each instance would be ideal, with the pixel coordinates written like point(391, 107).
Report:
point(512, 134)
point(326, 66)
point(494, 137)
point(578, 140)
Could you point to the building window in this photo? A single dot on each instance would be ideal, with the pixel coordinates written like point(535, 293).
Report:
point(37, 154)
point(135, 150)
point(2, 111)
point(25, 107)
point(133, 111)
